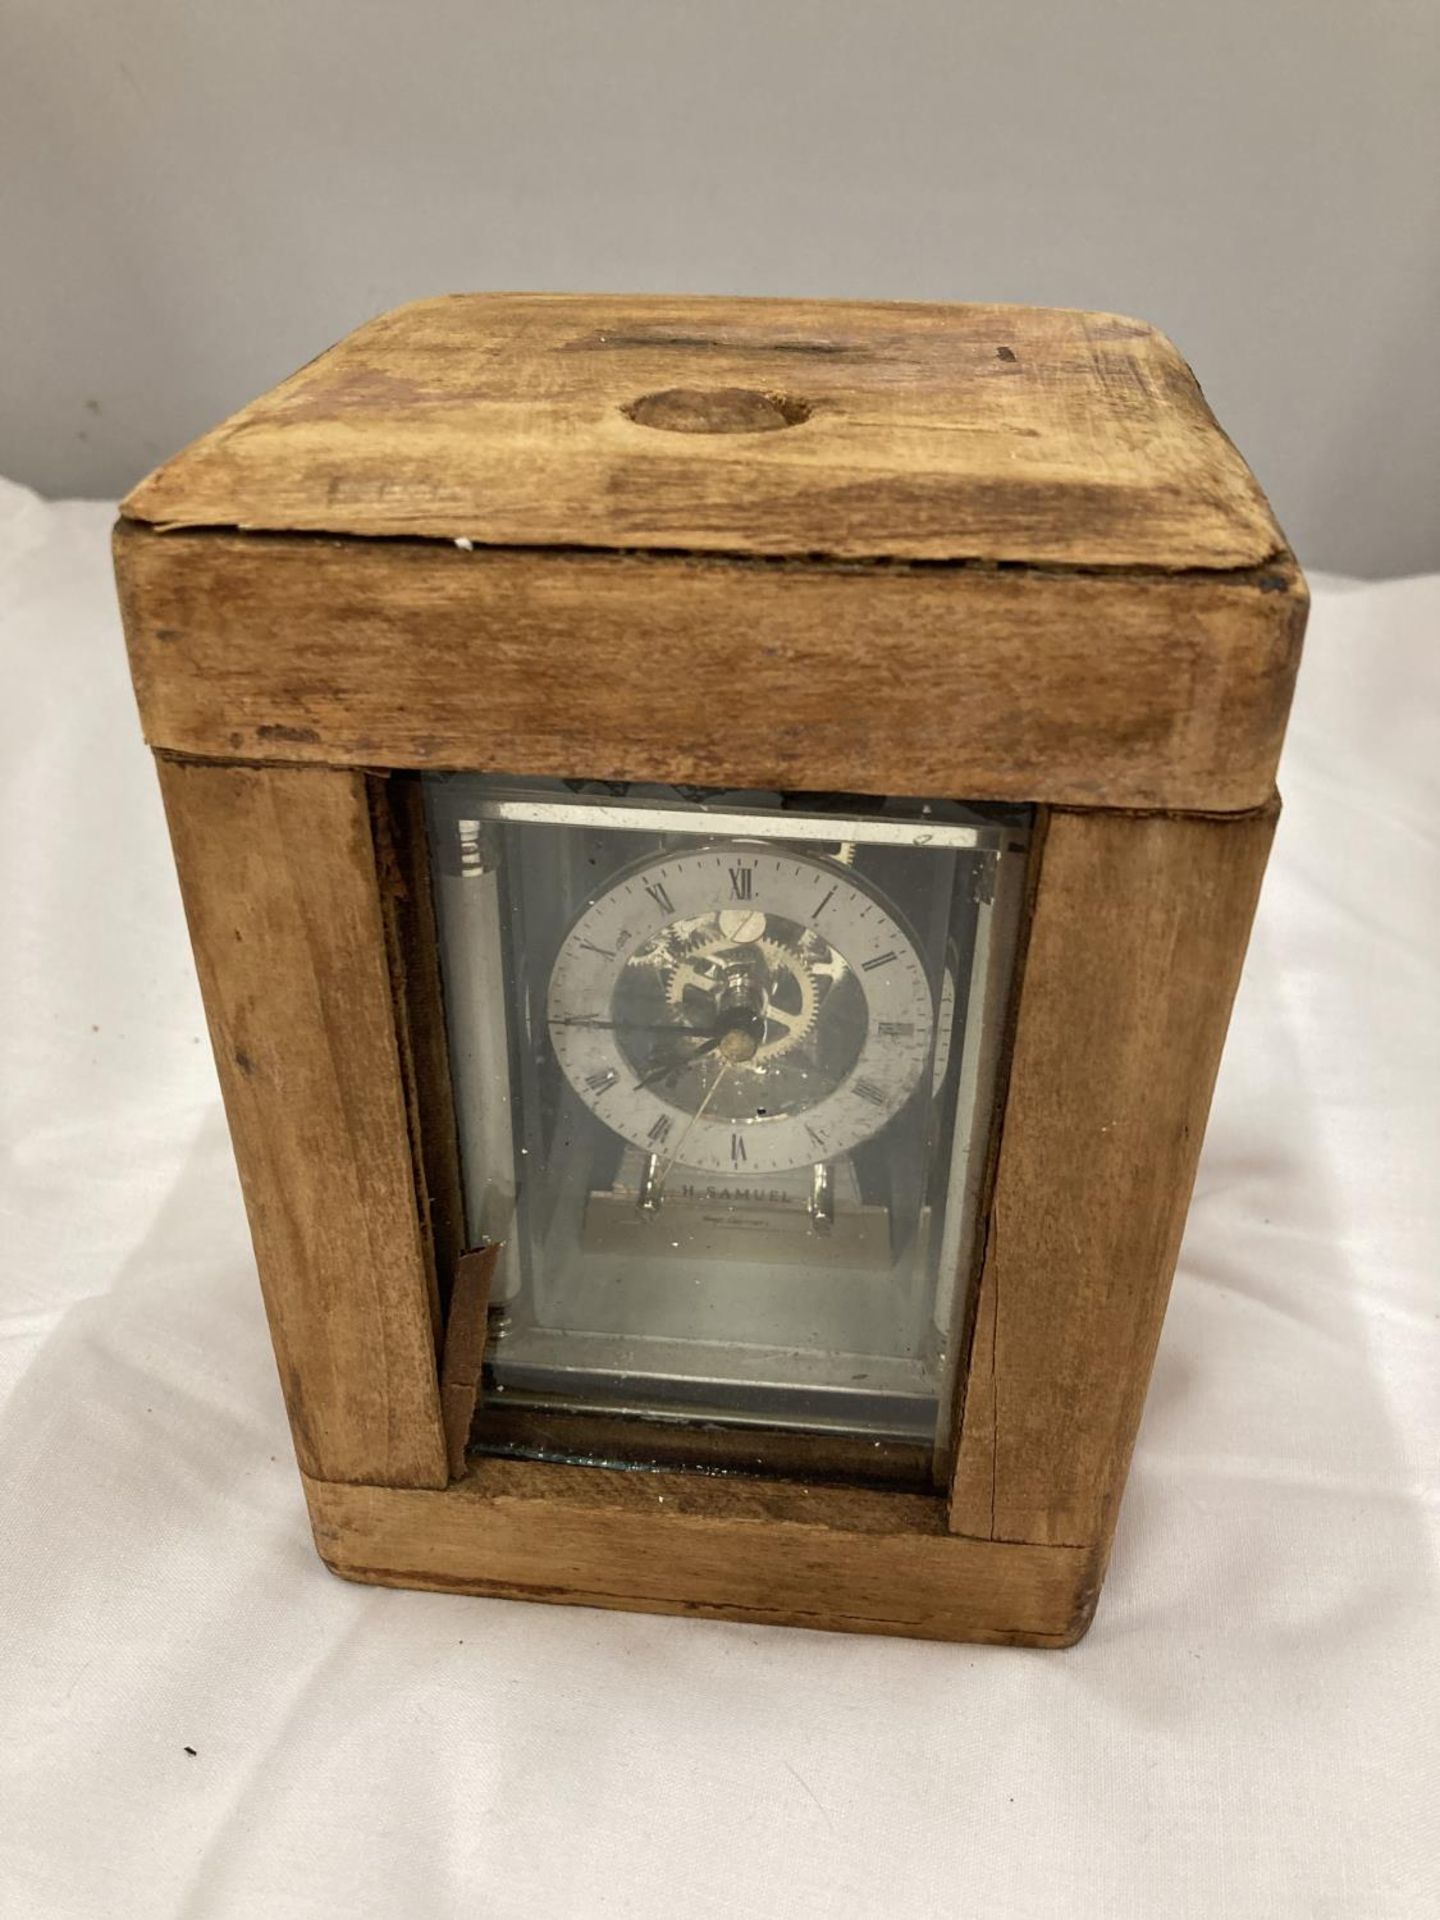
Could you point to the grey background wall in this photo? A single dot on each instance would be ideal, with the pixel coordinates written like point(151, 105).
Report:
point(195, 197)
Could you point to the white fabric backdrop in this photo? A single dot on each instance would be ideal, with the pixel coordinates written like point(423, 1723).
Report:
point(1250, 1728)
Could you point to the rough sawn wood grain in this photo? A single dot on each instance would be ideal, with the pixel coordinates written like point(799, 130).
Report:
point(1134, 953)
point(277, 871)
point(1101, 690)
point(776, 1552)
point(919, 432)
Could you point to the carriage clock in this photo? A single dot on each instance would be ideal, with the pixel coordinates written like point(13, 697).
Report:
point(719, 838)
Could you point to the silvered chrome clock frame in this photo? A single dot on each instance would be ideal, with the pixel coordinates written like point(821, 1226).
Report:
point(740, 1361)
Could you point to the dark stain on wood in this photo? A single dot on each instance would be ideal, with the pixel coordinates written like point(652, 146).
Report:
point(659, 338)
point(292, 736)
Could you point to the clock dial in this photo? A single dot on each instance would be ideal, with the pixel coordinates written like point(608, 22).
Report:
point(741, 1010)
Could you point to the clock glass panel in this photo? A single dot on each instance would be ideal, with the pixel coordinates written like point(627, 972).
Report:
point(725, 1066)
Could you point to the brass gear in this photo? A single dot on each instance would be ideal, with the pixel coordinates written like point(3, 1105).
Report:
point(784, 1029)
point(674, 942)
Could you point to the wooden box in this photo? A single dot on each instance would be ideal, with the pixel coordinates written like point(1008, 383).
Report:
point(995, 554)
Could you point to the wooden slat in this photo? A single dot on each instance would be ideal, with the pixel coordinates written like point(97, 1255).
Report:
point(774, 1552)
point(1132, 691)
point(1014, 892)
point(1135, 950)
point(892, 431)
point(466, 1330)
point(397, 813)
point(277, 869)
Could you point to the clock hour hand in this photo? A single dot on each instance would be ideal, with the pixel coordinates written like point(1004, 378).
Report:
point(625, 1026)
point(738, 1034)
point(667, 1067)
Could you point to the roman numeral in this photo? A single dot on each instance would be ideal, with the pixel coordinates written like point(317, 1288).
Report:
point(816, 1136)
point(741, 879)
point(605, 953)
point(737, 1150)
point(897, 1029)
point(880, 960)
point(660, 1132)
point(656, 891)
point(598, 1082)
point(868, 1091)
point(826, 901)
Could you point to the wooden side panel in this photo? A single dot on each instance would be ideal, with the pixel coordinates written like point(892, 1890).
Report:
point(1084, 690)
point(277, 869)
point(766, 1551)
point(1136, 945)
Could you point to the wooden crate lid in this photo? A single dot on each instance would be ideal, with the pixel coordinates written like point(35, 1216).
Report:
point(858, 430)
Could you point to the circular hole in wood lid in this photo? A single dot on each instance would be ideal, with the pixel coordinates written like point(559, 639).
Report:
point(716, 410)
